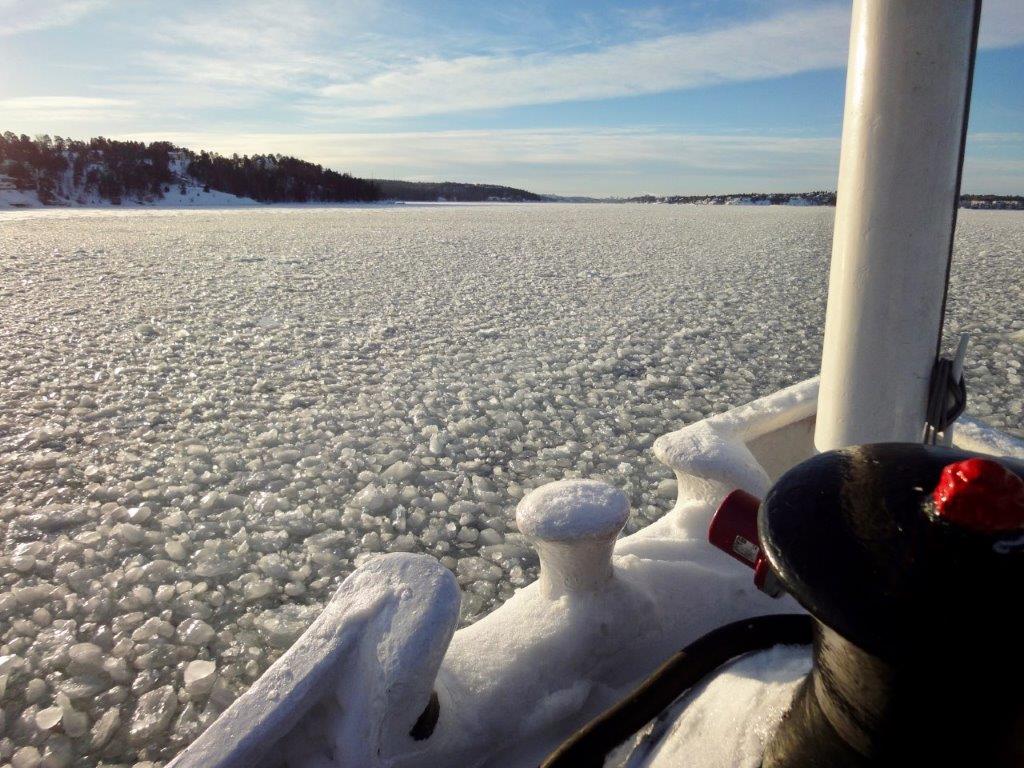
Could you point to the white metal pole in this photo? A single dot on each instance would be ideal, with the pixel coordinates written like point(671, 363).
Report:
point(907, 96)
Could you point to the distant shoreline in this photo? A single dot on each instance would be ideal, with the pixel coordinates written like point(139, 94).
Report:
point(45, 172)
point(12, 212)
point(817, 198)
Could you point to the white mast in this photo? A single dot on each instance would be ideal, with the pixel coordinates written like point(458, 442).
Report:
point(907, 97)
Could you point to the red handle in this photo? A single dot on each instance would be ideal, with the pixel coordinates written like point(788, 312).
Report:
point(733, 530)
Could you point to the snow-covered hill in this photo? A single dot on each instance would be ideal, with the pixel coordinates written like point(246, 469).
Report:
point(182, 192)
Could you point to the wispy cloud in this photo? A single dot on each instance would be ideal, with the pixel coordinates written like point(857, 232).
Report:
point(264, 48)
point(18, 16)
point(262, 44)
point(994, 162)
point(329, 66)
point(54, 110)
point(796, 41)
point(1002, 24)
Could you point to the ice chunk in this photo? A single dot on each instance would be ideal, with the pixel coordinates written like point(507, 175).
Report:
point(199, 677)
point(26, 757)
point(83, 686)
point(399, 471)
point(195, 632)
point(257, 590)
point(283, 626)
point(49, 718)
point(59, 752)
point(104, 728)
point(35, 690)
point(152, 714)
point(130, 533)
point(370, 498)
point(175, 550)
point(85, 657)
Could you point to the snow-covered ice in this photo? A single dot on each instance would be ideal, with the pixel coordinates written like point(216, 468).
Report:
point(208, 419)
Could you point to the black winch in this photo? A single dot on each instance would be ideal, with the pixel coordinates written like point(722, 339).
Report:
point(910, 561)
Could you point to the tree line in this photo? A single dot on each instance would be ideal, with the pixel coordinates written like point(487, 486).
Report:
point(57, 167)
point(453, 191)
point(279, 179)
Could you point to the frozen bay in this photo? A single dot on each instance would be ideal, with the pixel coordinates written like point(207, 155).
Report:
point(208, 418)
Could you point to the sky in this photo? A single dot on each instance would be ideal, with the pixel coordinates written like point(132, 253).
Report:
point(557, 96)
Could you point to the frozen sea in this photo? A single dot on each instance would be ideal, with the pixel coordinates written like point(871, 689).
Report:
point(209, 418)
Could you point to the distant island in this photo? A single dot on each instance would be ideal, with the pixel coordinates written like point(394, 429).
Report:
point(56, 171)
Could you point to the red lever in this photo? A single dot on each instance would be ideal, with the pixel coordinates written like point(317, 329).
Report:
point(733, 530)
point(982, 495)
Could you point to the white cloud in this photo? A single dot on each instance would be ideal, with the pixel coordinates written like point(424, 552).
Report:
point(330, 65)
point(799, 40)
point(56, 110)
point(1002, 24)
point(260, 47)
point(17, 16)
point(996, 139)
point(796, 41)
point(249, 27)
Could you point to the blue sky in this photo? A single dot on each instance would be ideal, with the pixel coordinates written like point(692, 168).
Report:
point(560, 96)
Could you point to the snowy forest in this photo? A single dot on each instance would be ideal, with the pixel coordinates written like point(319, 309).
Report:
point(59, 169)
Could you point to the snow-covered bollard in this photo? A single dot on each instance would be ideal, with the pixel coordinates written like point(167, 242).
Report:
point(573, 524)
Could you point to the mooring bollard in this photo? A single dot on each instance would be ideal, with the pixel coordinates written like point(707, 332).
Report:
point(573, 524)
